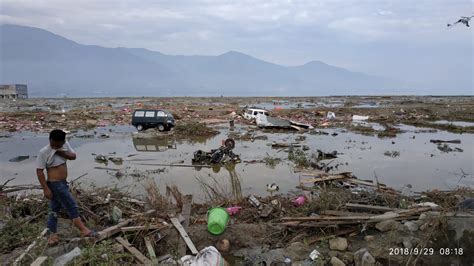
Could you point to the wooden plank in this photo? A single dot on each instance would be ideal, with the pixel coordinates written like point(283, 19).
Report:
point(326, 218)
point(151, 250)
point(39, 261)
point(184, 235)
point(373, 208)
point(110, 231)
point(344, 213)
point(106, 233)
point(143, 227)
point(138, 255)
point(186, 212)
point(175, 165)
point(322, 179)
point(455, 141)
point(164, 257)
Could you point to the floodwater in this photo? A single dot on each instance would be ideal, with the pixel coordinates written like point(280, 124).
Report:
point(419, 164)
point(293, 105)
point(455, 123)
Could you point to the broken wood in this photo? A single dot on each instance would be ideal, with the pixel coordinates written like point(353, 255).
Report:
point(106, 168)
point(372, 208)
point(164, 257)
point(184, 235)
point(135, 252)
point(151, 250)
point(455, 141)
point(143, 227)
point(30, 247)
point(285, 145)
point(110, 231)
point(344, 213)
point(106, 233)
point(322, 179)
point(79, 177)
point(175, 165)
point(39, 261)
point(186, 213)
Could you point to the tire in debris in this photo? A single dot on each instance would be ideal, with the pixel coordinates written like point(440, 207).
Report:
point(230, 143)
point(139, 127)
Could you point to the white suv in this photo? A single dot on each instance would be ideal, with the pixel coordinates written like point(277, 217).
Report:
point(252, 113)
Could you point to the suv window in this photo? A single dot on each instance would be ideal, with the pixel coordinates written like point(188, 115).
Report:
point(150, 114)
point(254, 112)
point(139, 114)
point(160, 114)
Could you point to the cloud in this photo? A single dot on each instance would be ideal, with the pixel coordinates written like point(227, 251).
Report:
point(348, 33)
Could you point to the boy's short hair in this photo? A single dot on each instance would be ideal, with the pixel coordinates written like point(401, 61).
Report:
point(57, 135)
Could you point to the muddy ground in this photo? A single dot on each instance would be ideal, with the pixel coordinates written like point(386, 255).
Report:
point(45, 114)
point(254, 240)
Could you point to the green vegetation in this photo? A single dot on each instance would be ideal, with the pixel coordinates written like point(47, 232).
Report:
point(299, 157)
point(271, 161)
point(102, 253)
point(16, 234)
point(194, 129)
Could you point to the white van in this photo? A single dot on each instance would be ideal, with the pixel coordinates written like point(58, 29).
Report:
point(251, 113)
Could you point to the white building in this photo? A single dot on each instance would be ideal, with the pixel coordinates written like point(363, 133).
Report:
point(14, 91)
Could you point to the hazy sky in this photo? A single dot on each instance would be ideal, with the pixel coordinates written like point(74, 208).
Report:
point(402, 39)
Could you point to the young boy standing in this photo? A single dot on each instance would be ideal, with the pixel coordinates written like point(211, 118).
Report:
point(53, 158)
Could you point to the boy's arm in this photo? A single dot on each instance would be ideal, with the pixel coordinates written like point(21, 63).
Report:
point(68, 153)
point(42, 180)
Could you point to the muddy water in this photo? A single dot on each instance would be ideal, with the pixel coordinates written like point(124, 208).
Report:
point(420, 163)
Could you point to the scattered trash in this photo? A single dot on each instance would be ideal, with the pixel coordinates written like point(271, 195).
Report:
point(116, 214)
point(314, 255)
point(254, 201)
point(331, 115)
point(359, 118)
point(299, 201)
point(272, 187)
point(266, 211)
point(432, 205)
point(101, 159)
point(223, 245)
point(116, 160)
point(233, 210)
point(207, 256)
point(446, 148)
point(217, 219)
point(456, 141)
point(68, 257)
point(107, 199)
point(392, 154)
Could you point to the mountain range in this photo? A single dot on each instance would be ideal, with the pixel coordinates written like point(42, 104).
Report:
point(54, 66)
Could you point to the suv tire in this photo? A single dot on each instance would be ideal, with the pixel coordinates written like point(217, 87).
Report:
point(139, 127)
point(161, 127)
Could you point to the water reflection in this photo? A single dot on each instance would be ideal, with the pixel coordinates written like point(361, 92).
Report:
point(153, 144)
